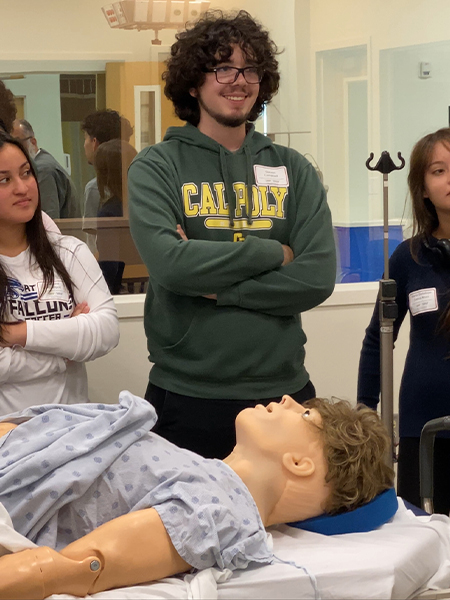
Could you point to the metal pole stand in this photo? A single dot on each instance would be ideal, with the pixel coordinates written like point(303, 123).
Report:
point(388, 309)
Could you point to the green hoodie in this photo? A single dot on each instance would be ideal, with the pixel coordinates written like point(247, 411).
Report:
point(250, 343)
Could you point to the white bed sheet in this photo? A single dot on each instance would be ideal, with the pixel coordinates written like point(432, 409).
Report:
point(402, 558)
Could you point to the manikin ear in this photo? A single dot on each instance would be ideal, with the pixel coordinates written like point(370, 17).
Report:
point(301, 466)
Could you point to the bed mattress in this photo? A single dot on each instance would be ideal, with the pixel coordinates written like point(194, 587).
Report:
point(399, 560)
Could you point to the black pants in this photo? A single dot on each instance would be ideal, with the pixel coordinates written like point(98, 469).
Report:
point(204, 425)
point(408, 486)
point(112, 272)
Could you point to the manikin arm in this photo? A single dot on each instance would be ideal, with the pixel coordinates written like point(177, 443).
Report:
point(132, 549)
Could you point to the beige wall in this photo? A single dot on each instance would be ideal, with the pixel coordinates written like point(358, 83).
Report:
point(378, 24)
point(388, 23)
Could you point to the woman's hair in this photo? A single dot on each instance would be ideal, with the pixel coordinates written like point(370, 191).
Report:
point(355, 448)
point(206, 43)
point(40, 247)
point(111, 162)
point(7, 108)
point(425, 219)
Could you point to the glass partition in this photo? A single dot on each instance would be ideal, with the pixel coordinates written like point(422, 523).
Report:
point(352, 84)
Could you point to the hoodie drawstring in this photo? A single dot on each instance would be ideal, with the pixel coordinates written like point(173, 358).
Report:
point(249, 199)
point(229, 195)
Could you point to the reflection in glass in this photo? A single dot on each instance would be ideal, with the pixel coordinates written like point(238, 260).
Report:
point(147, 107)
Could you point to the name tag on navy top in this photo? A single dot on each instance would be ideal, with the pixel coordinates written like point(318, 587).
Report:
point(423, 301)
point(271, 176)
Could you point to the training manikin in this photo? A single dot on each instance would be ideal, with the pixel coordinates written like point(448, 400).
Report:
point(163, 509)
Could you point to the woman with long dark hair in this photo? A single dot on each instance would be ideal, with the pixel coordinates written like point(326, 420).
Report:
point(55, 309)
point(421, 269)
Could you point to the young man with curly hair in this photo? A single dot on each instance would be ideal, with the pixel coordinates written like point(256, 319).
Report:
point(236, 234)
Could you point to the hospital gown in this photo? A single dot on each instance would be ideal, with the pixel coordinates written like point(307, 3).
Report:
point(68, 469)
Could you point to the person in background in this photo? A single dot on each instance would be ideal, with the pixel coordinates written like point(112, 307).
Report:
point(421, 268)
point(127, 519)
point(56, 312)
point(100, 127)
point(58, 195)
point(236, 235)
point(111, 161)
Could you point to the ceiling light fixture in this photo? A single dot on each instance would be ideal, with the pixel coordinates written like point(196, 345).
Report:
point(153, 14)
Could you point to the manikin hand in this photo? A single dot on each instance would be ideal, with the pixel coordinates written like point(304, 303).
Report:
point(184, 237)
point(131, 549)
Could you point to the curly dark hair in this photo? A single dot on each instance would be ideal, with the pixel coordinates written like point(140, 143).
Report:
point(7, 108)
point(105, 125)
point(208, 42)
point(40, 247)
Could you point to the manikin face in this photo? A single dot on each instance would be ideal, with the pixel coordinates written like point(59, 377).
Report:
point(18, 188)
point(227, 104)
point(437, 180)
point(90, 146)
point(280, 427)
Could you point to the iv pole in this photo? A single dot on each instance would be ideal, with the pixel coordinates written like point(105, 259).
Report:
point(387, 307)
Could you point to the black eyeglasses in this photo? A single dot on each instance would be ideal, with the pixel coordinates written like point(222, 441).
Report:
point(230, 74)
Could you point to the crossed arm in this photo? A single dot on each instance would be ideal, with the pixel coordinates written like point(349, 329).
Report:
point(34, 349)
point(132, 549)
point(258, 274)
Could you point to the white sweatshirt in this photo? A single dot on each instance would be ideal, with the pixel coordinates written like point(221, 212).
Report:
point(50, 368)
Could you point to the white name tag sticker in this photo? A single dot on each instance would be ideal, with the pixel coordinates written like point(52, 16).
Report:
point(58, 291)
point(271, 176)
point(423, 301)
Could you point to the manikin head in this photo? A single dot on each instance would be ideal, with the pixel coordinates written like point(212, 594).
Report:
point(23, 131)
point(327, 457)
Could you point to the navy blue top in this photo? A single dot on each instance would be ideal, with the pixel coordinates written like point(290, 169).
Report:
point(113, 207)
point(425, 385)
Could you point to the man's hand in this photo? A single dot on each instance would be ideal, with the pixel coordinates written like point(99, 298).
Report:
point(181, 233)
point(14, 334)
point(288, 255)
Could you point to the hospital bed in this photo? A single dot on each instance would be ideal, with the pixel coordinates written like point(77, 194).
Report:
point(402, 559)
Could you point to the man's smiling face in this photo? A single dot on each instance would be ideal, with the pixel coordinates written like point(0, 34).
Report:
point(227, 104)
